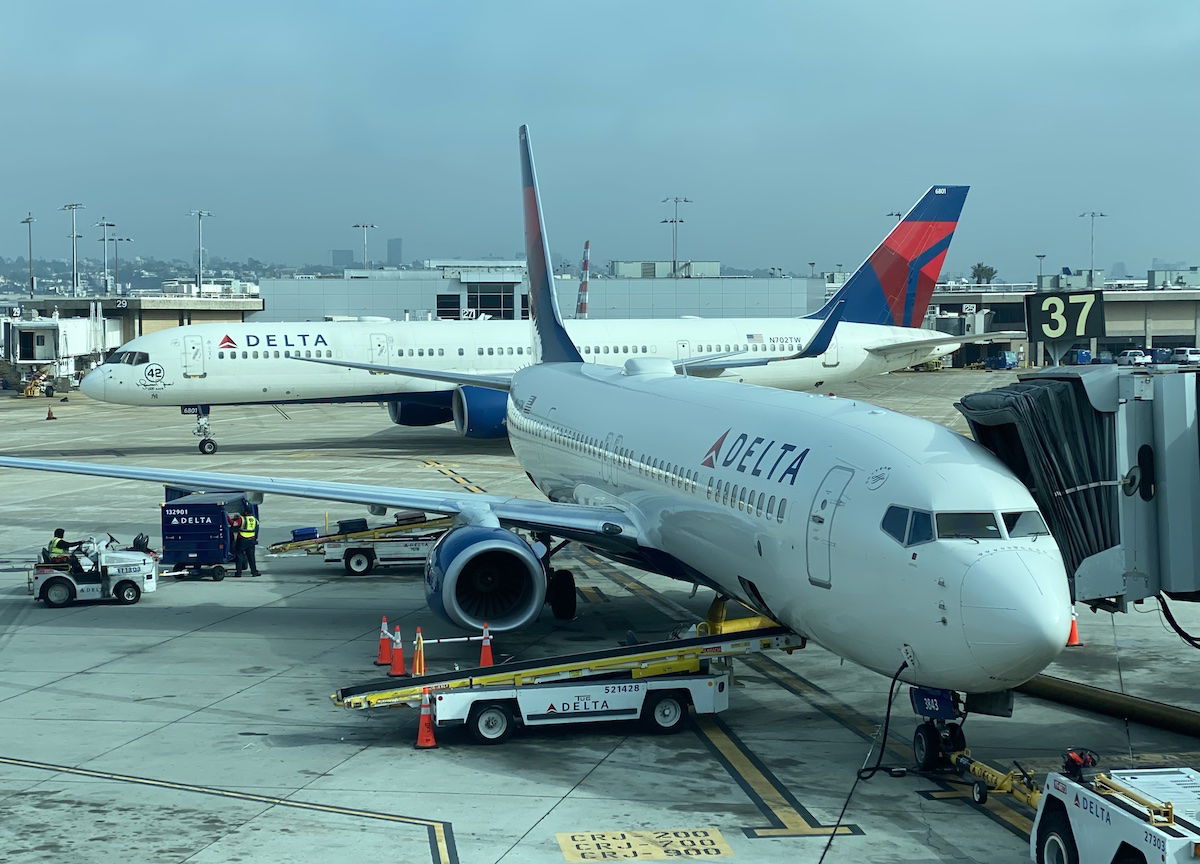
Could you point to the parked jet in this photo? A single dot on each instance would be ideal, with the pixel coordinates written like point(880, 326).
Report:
point(871, 326)
point(891, 541)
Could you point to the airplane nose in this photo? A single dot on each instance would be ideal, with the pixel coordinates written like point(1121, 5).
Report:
point(93, 384)
point(1016, 612)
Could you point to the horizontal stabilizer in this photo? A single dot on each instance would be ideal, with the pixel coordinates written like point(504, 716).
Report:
point(892, 349)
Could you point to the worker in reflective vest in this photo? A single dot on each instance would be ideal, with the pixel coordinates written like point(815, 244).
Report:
point(246, 535)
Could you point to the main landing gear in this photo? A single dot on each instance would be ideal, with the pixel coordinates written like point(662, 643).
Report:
point(941, 734)
point(560, 583)
point(207, 445)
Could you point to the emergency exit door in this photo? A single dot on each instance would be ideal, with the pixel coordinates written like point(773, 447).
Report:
point(379, 348)
point(820, 525)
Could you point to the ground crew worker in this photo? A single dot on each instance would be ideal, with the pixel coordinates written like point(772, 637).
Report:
point(59, 547)
point(247, 539)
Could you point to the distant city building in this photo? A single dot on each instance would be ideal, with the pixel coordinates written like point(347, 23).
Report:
point(395, 252)
point(343, 258)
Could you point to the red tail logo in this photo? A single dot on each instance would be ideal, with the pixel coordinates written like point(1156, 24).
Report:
point(226, 342)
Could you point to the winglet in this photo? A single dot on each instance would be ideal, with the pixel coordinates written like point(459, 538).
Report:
point(894, 285)
point(551, 344)
point(819, 343)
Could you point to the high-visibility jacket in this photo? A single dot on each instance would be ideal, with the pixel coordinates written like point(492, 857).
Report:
point(58, 546)
point(249, 527)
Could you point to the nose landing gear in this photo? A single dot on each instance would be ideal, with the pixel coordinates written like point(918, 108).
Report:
point(941, 735)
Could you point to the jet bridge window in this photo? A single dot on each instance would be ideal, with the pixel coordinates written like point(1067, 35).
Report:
point(968, 526)
point(1027, 523)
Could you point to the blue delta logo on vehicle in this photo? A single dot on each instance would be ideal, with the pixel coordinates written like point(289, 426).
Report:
point(744, 449)
point(273, 340)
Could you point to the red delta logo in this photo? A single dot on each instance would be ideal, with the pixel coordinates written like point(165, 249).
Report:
point(752, 457)
point(226, 342)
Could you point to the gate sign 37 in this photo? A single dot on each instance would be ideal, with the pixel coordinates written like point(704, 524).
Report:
point(1064, 316)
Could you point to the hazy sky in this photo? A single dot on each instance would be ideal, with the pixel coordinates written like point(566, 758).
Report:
point(793, 126)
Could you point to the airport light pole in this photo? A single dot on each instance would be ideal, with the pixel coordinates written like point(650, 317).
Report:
point(117, 241)
point(1041, 256)
point(674, 222)
point(199, 214)
point(74, 248)
point(365, 226)
point(1093, 216)
point(28, 223)
point(812, 269)
point(104, 224)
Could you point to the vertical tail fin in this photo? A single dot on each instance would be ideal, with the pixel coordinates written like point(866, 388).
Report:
point(585, 272)
point(551, 344)
point(894, 285)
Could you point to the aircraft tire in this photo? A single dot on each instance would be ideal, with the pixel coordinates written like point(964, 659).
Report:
point(207, 446)
point(927, 746)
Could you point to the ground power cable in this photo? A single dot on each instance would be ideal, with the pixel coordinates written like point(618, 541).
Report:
point(865, 773)
point(1183, 634)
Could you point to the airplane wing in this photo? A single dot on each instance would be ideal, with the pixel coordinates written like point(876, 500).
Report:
point(596, 526)
point(894, 348)
point(492, 382)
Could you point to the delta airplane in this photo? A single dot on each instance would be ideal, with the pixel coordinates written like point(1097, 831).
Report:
point(891, 541)
point(871, 326)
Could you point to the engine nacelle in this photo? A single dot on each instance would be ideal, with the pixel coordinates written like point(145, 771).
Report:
point(409, 413)
point(475, 574)
point(479, 412)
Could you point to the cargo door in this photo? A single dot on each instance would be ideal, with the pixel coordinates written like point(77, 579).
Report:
point(193, 357)
point(820, 525)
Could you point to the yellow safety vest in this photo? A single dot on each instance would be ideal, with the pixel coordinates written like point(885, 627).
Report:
point(249, 527)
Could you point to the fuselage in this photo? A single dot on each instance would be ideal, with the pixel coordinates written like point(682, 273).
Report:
point(251, 363)
point(831, 516)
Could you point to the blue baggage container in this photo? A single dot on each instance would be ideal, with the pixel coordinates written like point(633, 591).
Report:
point(196, 530)
point(304, 533)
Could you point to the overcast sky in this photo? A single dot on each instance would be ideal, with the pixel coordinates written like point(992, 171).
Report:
point(794, 127)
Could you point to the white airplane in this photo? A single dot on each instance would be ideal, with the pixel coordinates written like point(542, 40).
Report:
point(869, 327)
point(891, 541)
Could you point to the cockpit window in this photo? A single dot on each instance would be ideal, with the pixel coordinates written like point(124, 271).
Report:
point(920, 529)
point(129, 358)
point(970, 526)
point(1026, 523)
point(895, 521)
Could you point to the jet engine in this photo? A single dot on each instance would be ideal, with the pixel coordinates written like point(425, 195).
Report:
point(476, 573)
point(408, 412)
point(479, 412)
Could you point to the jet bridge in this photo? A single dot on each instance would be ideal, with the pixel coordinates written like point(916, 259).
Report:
point(1112, 457)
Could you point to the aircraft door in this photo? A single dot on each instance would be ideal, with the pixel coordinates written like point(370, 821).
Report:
point(820, 525)
point(379, 348)
point(830, 357)
point(682, 350)
point(193, 356)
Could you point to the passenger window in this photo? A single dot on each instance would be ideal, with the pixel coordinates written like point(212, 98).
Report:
point(644, 349)
point(480, 350)
point(255, 354)
point(771, 507)
point(441, 352)
point(624, 349)
point(920, 530)
point(725, 494)
point(605, 349)
point(520, 350)
point(245, 354)
point(895, 521)
point(220, 355)
point(709, 491)
point(782, 509)
point(491, 352)
point(742, 499)
point(461, 353)
point(758, 509)
point(276, 355)
point(420, 352)
point(307, 353)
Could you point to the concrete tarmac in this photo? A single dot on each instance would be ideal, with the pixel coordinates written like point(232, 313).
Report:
point(196, 726)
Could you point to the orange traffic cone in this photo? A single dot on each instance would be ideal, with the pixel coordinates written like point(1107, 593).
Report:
point(485, 653)
point(1073, 637)
point(384, 657)
point(50, 414)
point(425, 739)
point(419, 655)
point(397, 667)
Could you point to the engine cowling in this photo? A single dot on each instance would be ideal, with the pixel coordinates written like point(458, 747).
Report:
point(409, 413)
point(476, 573)
point(480, 412)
